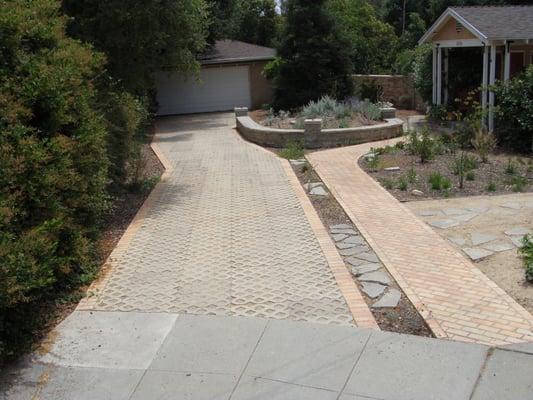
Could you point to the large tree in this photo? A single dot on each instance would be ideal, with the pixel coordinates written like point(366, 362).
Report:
point(257, 22)
point(314, 55)
point(141, 37)
point(372, 42)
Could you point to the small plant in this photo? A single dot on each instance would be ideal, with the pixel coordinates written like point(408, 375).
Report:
point(518, 182)
point(411, 175)
point(367, 110)
point(438, 181)
point(511, 168)
point(400, 145)
point(422, 146)
point(402, 184)
point(491, 187)
point(293, 151)
point(470, 176)
point(484, 142)
point(438, 113)
point(462, 164)
point(388, 183)
point(373, 160)
point(305, 168)
point(526, 251)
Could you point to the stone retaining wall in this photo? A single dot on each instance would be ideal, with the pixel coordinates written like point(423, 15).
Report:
point(313, 136)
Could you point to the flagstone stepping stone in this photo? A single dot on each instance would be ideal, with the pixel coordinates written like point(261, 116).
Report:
point(354, 262)
point(312, 185)
point(465, 217)
point(344, 231)
point(365, 268)
point(498, 247)
point(480, 238)
point(429, 213)
point(298, 163)
point(517, 241)
point(339, 236)
point(369, 256)
point(372, 290)
point(354, 251)
point(376, 276)
point(355, 240)
point(340, 226)
point(512, 205)
point(478, 210)
point(459, 241)
point(518, 230)
point(476, 254)
point(444, 223)
point(389, 299)
point(318, 191)
point(344, 246)
point(454, 211)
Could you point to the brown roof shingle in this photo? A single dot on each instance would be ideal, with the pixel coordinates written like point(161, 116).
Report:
point(228, 51)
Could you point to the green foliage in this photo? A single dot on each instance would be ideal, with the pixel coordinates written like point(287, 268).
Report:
point(52, 157)
point(373, 160)
point(438, 181)
point(514, 114)
point(511, 168)
point(293, 151)
point(470, 176)
point(484, 143)
point(140, 38)
point(371, 91)
point(402, 183)
point(437, 113)
point(388, 183)
point(461, 165)
point(518, 183)
point(491, 187)
point(526, 251)
point(421, 145)
point(423, 71)
point(411, 175)
point(372, 42)
point(256, 22)
point(326, 107)
point(315, 56)
point(368, 110)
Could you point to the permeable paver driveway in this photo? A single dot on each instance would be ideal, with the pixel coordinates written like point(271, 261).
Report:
point(224, 233)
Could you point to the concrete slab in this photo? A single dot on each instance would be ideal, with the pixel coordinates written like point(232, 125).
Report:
point(499, 246)
point(307, 354)
point(518, 230)
point(507, 375)
point(458, 240)
point(523, 347)
point(109, 339)
point(209, 344)
point(263, 389)
point(480, 238)
point(166, 385)
point(476, 254)
point(402, 367)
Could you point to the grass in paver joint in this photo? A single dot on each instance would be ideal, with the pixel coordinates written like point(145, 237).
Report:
point(293, 151)
point(526, 251)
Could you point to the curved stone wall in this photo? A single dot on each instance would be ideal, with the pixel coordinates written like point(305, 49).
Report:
point(314, 138)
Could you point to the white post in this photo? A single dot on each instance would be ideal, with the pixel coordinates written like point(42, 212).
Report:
point(507, 62)
point(492, 80)
point(434, 74)
point(485, 81)
point(446, 80)
point(439, 75)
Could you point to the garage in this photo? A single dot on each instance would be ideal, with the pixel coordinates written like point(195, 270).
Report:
point(230, 76)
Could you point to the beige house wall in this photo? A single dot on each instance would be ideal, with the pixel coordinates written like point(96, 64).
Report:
point(449, 32)
point(261, 87)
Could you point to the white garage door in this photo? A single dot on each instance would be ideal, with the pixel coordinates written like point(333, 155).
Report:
point(219, 89)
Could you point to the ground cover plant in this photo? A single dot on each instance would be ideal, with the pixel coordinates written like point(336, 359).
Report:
point(527, 255)
point(334, 114)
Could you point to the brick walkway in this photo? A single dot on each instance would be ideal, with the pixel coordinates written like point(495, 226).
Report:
point(223, 233)
point(456, 299)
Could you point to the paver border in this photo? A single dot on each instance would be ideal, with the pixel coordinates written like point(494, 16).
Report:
point(361, 314)
point(91, 296)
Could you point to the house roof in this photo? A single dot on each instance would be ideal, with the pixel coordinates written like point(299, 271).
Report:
point(489, 22)
point(230, 51)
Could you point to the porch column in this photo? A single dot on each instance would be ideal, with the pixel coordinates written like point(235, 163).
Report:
point(434, 74)
point(492, 80)
point(507, 62)
point(439, 75)
point(446, 75)
point(485, 82)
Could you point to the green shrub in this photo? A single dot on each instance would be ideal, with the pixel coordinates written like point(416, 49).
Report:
point(421, 145)
point(326, 107)
point(371, 91)
point(411, 175)
point(53, 162)
point(423, 71)
point(373, 161)
point(470, 176)
point(491, 187)
point(518, 182)
point(526, 252)
point(438, 181)
point(511, 168)
point(438, 113)
point(388, 183)
point(368, 110)
point(514, 113)
point(484, 143)
point(462, 165)
point(402, 183)
point(293, 151)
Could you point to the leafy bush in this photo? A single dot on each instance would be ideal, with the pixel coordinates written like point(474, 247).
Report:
point(484, 143)
point(53, 162)
point(437, 113)
point(371, 91)
point(421, 145)
point(326, 107)
point(438, 181)
point(470, 176)
point(402, 183)
point(368, 110)
point(491, 187)
point(511, 168)
point(514, 113)
point(423, 71)
point(527, 256)
point(388, 183)
point(518, 183)
point(462, 164)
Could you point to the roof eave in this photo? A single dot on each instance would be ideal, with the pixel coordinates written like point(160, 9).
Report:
point(453, 14)
point(235, 60)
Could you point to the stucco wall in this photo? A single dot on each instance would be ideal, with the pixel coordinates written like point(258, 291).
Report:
point(397, 89)
point(261, 88)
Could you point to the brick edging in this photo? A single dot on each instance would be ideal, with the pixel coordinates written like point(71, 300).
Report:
point(98, 285)
point(361, 313)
